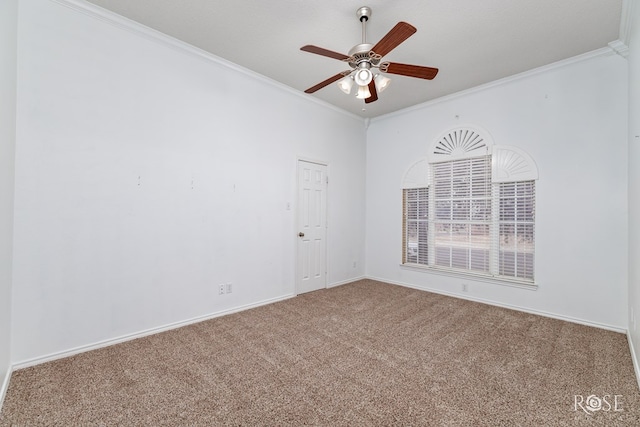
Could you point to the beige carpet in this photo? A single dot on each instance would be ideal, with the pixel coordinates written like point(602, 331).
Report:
point(362, 354)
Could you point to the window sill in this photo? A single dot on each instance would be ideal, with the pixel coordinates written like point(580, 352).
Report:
point(522, 284)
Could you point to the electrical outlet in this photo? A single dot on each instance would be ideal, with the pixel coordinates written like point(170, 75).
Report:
point(465, 287)
point(221, 289)
point(229, 288)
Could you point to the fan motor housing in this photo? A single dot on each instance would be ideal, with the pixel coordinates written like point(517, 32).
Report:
point(362, 53)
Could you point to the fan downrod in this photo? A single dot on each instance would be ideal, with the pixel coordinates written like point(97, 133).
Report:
point(359, 54)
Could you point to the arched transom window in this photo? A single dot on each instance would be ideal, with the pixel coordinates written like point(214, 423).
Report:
point(469, 207)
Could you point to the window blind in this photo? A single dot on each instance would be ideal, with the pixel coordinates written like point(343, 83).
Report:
point(462, 213)
point(463, 221)
point(516, 222)
point(416, 225)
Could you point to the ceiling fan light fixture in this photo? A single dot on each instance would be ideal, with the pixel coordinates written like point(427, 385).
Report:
point(382, 82)
point(363, 92)
point(346, 84)
point(365, 57)
point(363, 76)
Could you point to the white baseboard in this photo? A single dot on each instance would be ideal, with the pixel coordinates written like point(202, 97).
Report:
point(344, 282)
point(5, 386)
point(66, 353)
point(129, 337)
point(100, 344)
point(634, 359)
point(509, 306)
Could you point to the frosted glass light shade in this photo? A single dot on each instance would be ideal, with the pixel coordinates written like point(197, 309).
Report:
point(363, 77)
point(382, 82)
point(346, 84)
point(363, 92)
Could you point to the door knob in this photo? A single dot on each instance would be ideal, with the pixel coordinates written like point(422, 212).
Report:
point(301, 234)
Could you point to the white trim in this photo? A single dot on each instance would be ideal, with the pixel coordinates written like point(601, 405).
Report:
point(619, 47)
point(626, 21)
point(511, 164)
point(129, 337)
point(134, 27)
point(297, 219)
point(634, 358)
point(442, 271)
point(311, 160)
point(141, 334)
point(416, 175)
point(605, 51)
point(150, 34)
point(100, 344)
point(345, 282)
point(460, 151)
point(509, 306)
point(5, 385)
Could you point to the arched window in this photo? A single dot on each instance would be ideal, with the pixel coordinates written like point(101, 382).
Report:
point(469, 207)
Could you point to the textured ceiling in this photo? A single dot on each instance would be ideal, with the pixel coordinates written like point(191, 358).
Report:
point(471, 41)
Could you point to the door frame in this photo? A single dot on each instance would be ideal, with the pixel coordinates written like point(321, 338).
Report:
point(296, 223)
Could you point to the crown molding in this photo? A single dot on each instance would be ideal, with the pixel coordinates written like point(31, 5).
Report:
point(140, 30)
point(621, 46)
point(618, 46)
point(605, 51)
point(626, 20)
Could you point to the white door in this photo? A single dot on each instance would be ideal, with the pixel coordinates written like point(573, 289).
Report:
point(312, 227)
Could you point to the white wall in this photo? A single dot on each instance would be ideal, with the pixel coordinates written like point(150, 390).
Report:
point(634, 184)
point(572, 120)
point(147, 175)
point(8, 52)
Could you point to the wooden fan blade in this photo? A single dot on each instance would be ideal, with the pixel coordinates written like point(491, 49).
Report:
point(393, 38)
point(410, 70)
point(374, 93)
point(324, 52)
point(327, 82)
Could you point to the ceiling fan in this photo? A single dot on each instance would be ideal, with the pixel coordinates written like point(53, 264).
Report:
point(364, 57)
